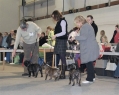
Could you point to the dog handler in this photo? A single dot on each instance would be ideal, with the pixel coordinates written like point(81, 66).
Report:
point(89, 48)
point(30, 33)
point(61, 39)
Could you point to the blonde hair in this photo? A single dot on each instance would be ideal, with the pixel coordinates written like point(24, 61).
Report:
point(80, 19)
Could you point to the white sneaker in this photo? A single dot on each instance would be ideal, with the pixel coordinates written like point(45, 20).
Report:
point(94, 79)
point(86, 82)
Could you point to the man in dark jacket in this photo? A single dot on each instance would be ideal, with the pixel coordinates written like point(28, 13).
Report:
point(91, 21)
point(9, 38)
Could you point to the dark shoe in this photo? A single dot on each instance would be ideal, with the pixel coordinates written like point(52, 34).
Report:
point(116, 77)
point(62, 76)
point(25, 74)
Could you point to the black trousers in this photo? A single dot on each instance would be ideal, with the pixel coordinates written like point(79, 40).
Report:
point(90, 71)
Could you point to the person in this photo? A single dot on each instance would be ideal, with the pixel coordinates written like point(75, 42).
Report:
point(103, 38)
point(42, 39)
point(116, 73)
point(1, 38)
point(9, 38)
point(91, 21)
point(115, 37)
point(50, 35)
point(61, 39)
point(30, 33)
point(4, 43)
point(10, 42)
point(71, 38)
point(89, 48)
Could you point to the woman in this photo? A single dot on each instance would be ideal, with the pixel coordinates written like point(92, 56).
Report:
point(61, 39)
point(50, 35)
point(42, 39)
point(103, 38)
point(115, 38)
point(89, 48)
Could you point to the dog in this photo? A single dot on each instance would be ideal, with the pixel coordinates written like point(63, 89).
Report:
point(74, 73)
point(33, 68)
point(52, 72)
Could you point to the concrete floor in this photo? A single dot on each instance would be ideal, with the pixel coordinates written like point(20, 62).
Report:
point(12, 83)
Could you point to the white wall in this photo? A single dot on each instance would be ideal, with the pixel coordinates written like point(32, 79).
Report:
point(105, 18)
point(9, 15)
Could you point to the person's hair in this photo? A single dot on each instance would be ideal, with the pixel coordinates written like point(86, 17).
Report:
point(75, 28)
point(117, 26)
point(50, 28)
point(80, 19)
point(90, 16)
point(57, 15)
point(102, 32)
point(6, 33)
point(15, 31)
point(0, 34)
point(43, 33)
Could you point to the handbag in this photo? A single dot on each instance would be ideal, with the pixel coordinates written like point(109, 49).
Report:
point(111, 66)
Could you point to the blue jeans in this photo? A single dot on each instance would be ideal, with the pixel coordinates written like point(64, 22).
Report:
point(116, 74)
point(8, 55)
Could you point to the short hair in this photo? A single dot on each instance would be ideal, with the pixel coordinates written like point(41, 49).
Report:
point(43, 33)
point(117, 26)
point(80, 19)
point(6, 33)
point(57, 15)
point(15, 31)
point(50, 28)
point(103, 32)
point(90, 16)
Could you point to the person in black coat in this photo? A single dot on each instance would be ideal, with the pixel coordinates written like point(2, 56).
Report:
point(115, 32)
point(42, 39)
point(91, 21)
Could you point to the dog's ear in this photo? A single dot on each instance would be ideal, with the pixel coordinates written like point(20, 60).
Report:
point(26, 63)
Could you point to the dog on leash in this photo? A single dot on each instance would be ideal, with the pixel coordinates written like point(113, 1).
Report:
point(52, 72)
point(74, 73)
point(33, 68)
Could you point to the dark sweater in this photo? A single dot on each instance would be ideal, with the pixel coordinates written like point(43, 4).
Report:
point(58, 29)
point(112, 40)
point(95, 28)
point(42, 41)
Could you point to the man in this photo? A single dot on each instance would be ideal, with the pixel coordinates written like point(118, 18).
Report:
point(30, 33)
point(91, 21)
point(9, 38)
point(4, 43)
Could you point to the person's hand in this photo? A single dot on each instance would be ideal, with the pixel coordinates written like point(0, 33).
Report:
point(53, 38)
point(13, 53)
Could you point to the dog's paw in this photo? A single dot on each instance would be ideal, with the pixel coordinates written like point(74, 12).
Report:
point(41, 75)
point(79, 84)
point(73, 84)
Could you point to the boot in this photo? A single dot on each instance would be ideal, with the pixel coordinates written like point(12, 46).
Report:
point(62, 76)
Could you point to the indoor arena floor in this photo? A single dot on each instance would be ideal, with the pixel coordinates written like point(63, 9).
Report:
point(12, 83)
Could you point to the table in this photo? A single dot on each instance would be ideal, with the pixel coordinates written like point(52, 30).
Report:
point(7, 50)
point(44, 50)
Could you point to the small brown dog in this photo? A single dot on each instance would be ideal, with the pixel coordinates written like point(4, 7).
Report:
point(74, 74)
point(52, 72)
